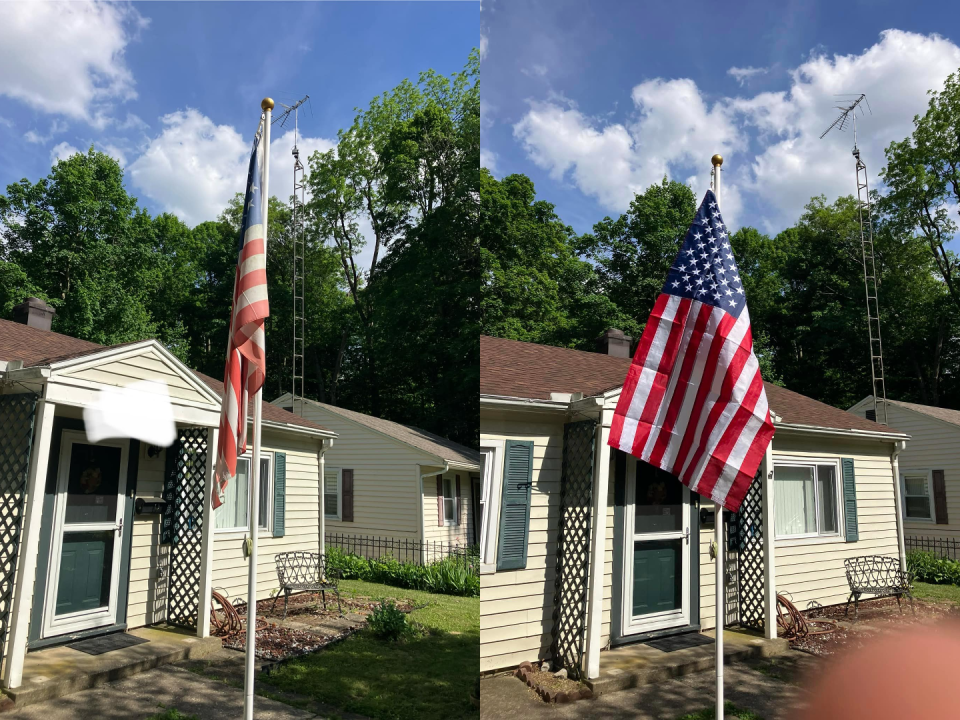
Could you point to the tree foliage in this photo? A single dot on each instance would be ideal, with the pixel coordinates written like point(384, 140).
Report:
point(397, 338)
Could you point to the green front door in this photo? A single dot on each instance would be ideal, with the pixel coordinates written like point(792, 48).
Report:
point(85, 548)
point(657, 552)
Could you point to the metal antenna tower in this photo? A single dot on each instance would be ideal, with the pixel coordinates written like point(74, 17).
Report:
point(299, 270)
point(848, 116)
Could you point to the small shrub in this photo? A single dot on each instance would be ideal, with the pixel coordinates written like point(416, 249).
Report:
point(387, 621)
point(930, 568)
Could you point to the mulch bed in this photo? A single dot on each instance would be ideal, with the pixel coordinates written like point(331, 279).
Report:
point(552, 689)
point(276, 642)
point(876, 616)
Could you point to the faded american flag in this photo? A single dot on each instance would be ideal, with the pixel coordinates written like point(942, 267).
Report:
point(246, 348)
point(693, 402)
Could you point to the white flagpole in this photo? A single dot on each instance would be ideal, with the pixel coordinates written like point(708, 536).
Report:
point(248, 681)
point(718, 527)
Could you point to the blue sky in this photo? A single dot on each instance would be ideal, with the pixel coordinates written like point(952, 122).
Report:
point(595, 101)
point(173, 89)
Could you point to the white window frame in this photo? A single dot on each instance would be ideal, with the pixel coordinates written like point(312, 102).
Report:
point(803, 461)
point(903, 490)
point(338, 516)
point(455, 520)
point(490, 497)
point(261, 530)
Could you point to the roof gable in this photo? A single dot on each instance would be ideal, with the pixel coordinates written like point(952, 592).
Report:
point(415, 437)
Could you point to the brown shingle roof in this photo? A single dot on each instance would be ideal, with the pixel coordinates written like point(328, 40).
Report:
point(40, 348)
point(509, 368)
point(417, 437)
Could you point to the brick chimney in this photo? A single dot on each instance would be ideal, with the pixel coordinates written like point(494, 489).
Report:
point(34, 313)
point(614, 343)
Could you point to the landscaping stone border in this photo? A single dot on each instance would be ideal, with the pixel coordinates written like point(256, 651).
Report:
point(527, 671)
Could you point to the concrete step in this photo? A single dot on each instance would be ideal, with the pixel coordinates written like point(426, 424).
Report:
point(631, 666)
point(54, 672)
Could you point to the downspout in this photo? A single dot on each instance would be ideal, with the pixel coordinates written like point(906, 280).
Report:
point(325, 445)
point(898, 447)
point(423, 529)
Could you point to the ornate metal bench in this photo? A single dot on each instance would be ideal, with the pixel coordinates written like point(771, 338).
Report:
point(876, 575)
point(304, 571)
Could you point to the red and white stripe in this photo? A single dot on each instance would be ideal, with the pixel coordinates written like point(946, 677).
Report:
point(245, 369)
point(693, 402)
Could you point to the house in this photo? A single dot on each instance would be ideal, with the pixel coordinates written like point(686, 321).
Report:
point(394, 481)
point(929, 469)
point(583, 547)
point(107, 536)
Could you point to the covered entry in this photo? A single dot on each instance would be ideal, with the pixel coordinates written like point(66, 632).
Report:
point(656, 565)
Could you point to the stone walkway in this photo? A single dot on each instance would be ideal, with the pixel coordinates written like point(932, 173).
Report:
point(772, 688)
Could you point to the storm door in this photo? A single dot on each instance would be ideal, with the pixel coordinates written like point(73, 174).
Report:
point(85, 553)
point(656, 587)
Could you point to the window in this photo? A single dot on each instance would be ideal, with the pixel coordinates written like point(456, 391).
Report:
point(806, 499)
point(331, 493)
point(492, 451)
point(232, 515)
point(449, 503)
point(917, 494)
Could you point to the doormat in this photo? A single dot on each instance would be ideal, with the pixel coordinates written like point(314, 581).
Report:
point(106, 643)
point(680, 642)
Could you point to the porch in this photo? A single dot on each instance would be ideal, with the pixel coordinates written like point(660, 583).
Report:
point(86, 558)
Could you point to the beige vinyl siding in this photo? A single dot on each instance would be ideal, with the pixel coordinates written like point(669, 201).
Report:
point(146, 366)
point(147, 597)
point(933, 445)
point(516, 606)
point(301, 531)
point(433, 531)
point(385, 476)
point(605, 619)
point(811, 571)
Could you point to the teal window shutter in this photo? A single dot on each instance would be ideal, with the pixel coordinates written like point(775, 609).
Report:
point(279, 492)
point(850, 500)
point(515, 505)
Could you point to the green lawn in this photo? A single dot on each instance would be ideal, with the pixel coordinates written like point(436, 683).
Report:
point(422, 678)
point(936, 592)
point(729, 709)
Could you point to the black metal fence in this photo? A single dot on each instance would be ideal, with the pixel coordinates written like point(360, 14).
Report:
point(941, 547)
point(373, 547)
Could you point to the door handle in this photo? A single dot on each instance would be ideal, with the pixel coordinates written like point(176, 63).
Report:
point(120, 525)
point(686, 535)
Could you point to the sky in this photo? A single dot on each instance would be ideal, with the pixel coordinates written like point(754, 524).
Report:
point(173, 90)
point(596, 101)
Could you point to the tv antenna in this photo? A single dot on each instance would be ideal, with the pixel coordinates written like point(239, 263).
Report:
point(299, 270)
point(847, 118)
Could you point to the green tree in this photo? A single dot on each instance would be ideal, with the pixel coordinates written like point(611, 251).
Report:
point(923, 180)
point(83, 243)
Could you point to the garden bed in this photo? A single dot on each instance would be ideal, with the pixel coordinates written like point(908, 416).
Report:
point(876, 616)
point(549, 687)
point(275, 642)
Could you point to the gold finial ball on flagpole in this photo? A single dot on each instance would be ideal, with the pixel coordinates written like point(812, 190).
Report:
point(717, 160)
point(267, 104)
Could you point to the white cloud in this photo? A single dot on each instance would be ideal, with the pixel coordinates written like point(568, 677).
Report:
point(56, 127)
point(795, 164)
point(115, 152)
point(195, 166)
point(7, 122)
point(674, 130)
point(61, 151)
point(281, 160)
point(67, 58)
point(488, 159)
point(484, 45)
point(132, 122)
point(745, 73)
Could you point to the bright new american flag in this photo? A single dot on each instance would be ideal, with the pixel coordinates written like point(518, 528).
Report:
point(246, 349)
point(693, 402)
